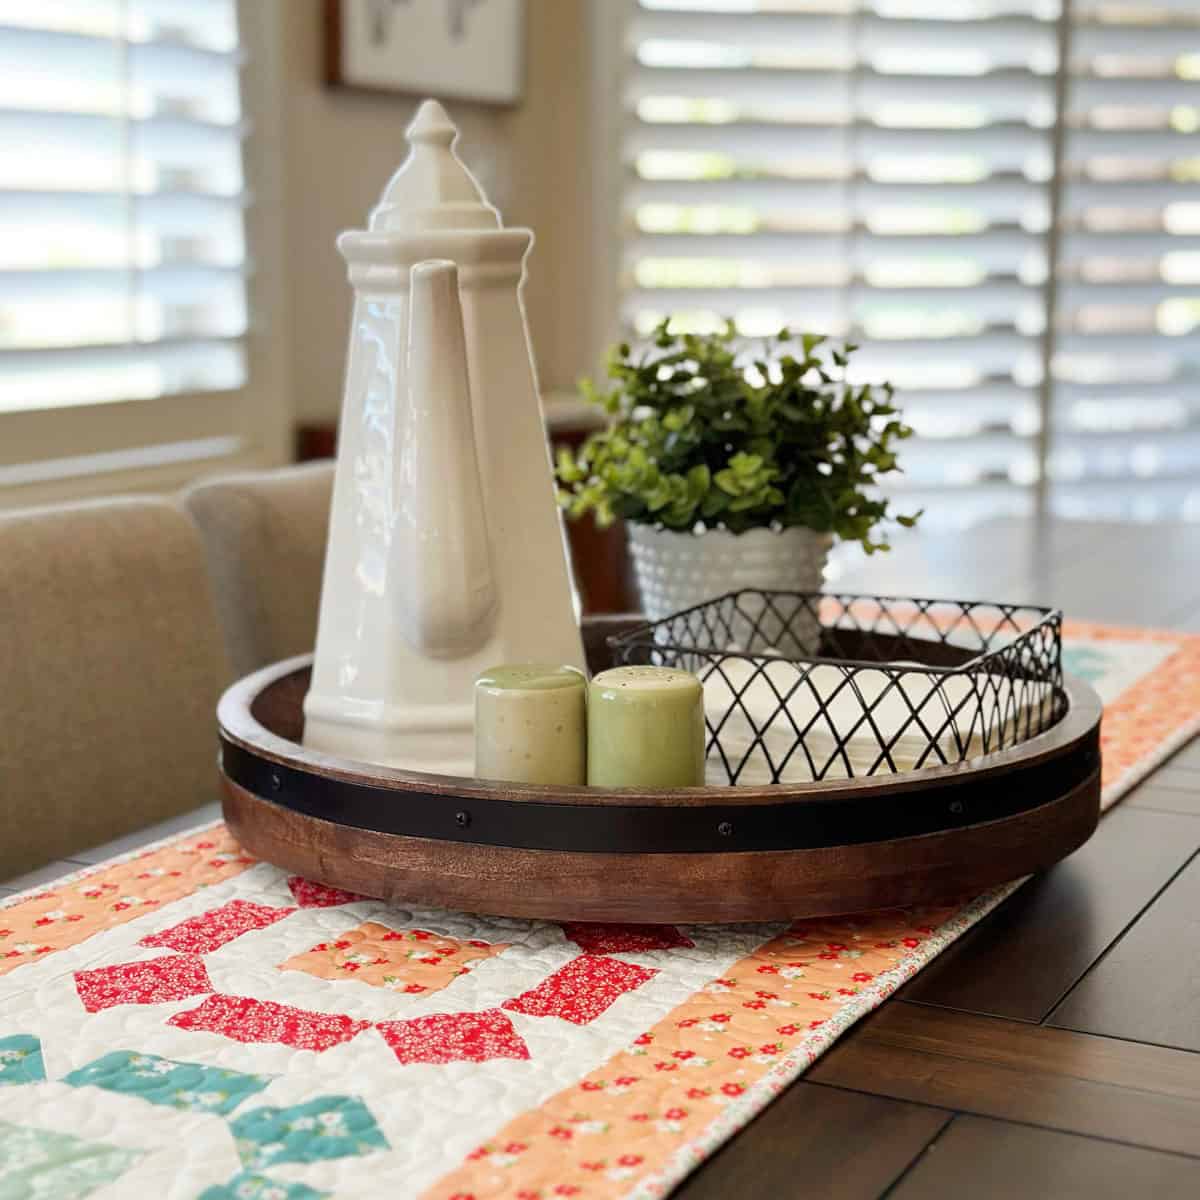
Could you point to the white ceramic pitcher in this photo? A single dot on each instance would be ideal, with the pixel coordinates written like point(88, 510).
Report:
point(446, 552)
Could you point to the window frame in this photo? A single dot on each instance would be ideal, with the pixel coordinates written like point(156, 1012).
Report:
point(162, 443)
point(608, 25)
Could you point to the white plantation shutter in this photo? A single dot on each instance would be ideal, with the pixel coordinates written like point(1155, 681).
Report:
point(1127, 347)
point(123, 264)
point(889, 171)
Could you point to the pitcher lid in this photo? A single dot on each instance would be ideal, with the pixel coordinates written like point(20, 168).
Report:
point(432, 188)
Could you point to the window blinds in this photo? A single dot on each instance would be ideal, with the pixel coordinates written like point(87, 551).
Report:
point(122, 252)
point(1018, 252)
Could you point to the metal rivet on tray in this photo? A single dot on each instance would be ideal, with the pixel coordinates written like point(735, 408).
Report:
point(956, 807)
point(462, 819)
point(725, 829)
point(276, 782)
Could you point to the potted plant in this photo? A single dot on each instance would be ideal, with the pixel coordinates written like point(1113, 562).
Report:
point(733, 470)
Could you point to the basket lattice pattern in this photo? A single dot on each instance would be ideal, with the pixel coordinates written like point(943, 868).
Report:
point(813, 686)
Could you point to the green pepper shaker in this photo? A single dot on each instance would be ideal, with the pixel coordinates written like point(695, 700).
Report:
point(531, 724)
point(645, 728)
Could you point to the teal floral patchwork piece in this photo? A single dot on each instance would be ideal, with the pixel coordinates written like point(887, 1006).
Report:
point(21, 1059)
point(327, 1127)
point(37, 1164)
point(185, 1085)
point(1087, 662)
point(247, 1185)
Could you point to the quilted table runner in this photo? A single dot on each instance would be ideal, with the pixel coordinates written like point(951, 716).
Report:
point(190, 1023)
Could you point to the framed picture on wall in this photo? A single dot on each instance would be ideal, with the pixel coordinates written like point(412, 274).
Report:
point(451, 49)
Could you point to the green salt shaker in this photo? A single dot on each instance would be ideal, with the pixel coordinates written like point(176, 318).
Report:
point(645, 728)
point(531, 724)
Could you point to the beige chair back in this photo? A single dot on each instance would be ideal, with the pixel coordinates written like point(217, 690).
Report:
point(111, 664)
point(265, 538)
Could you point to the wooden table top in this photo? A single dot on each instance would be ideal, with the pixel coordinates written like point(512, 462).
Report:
point(1055, 1050)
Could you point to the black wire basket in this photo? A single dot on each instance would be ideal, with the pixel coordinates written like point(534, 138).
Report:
point(814, 686)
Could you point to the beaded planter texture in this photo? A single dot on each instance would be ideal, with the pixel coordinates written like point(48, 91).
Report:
point(678, 570)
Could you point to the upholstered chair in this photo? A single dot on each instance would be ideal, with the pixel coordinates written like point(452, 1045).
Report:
point(111, 664)
point(265, 534)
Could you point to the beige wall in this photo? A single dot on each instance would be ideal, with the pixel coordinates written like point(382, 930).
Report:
point(340, 147)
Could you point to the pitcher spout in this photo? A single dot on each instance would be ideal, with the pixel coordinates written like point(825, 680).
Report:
point(441, 550)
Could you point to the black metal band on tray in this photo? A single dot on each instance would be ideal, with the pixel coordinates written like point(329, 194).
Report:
point(811, 822)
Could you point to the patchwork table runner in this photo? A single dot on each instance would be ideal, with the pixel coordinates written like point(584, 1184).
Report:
point(190, 1023)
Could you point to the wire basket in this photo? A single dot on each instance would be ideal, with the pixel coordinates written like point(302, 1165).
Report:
point(813, 686)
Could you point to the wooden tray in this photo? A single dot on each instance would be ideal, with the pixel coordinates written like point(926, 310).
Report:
point(716, 854)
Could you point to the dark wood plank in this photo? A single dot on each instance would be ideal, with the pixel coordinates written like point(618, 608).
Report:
point(1111, 585)
point(1144, 1095)
point(1147, 988)
point(1000, 560)
point(1186, 618)
point(1176, 779)
point(799, 1146)
point(1023, 958)
point(1188, 757)
point(45, 874)
point(931, 566)
point(1087, 587)
point(1064, 563)
point(1171, 800)
point(996, 1160)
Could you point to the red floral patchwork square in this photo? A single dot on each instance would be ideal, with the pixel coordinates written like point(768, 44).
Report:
point(411, 961)
point(243, 1019)
point(613, 939)
point(454, 1037)
point(211, 930)
point(172, 977)
point(582, 990)
point(316, 895)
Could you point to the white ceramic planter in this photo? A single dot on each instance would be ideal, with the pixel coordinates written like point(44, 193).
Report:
point(680, 570)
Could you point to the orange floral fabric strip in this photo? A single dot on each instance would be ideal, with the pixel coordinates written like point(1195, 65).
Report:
point(71, 911)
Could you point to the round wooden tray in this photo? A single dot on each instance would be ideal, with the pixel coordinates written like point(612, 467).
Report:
point(688, 855)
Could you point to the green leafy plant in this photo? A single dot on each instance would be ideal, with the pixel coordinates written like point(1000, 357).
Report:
point(697, 433)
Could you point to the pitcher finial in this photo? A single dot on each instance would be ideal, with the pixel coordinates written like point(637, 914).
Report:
point(432, 189)
point(432, 126)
